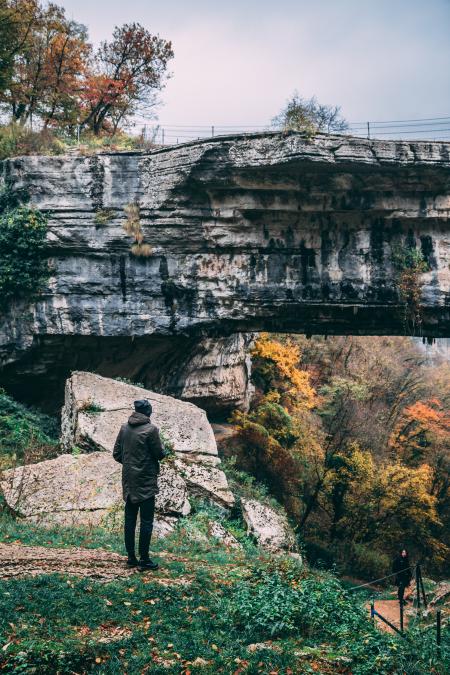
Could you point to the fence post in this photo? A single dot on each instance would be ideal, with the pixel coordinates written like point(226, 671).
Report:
point(368, 129)
point(438, 631)
point(418, 584)
point(372, 611)
point(423, 588)
point(212, 131)
point(401, 615)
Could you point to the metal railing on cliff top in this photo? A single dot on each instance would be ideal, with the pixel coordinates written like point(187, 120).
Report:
point(422, 129)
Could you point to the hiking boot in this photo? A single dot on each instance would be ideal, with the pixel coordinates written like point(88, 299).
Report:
point(132, 561)
point(148, 565)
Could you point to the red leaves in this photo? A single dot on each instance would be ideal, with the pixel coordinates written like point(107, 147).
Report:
point(56, 76)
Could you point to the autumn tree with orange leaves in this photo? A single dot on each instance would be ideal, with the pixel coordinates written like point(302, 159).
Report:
point(50, 74)
point(126, 74)
point(50, 56)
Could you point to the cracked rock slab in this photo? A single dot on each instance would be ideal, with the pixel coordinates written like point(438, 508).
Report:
point(85, 489)
point(270, 528)
point(184, 425)
point(206, 481)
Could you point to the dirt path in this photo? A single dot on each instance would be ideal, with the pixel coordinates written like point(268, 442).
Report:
point(24, 561)
point(391, 611)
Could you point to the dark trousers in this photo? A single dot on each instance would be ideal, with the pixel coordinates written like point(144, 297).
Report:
point(401, 591)
point(146, 509)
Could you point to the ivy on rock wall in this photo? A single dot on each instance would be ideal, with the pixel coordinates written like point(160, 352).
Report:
point(23, 253)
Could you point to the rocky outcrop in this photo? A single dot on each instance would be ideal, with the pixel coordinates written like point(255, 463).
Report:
point(95, 407)
point(218, 531)
point(259, 232)
point(270, 528)
point(215, 375)
point(85, 486)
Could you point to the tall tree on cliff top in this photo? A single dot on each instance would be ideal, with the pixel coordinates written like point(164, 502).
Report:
point(47, 60)
point(301, 114)
point(49, 72)
point(126, 75)
point(17, 19)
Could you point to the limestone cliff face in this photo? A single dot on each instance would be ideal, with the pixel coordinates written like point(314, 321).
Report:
point(264, 231)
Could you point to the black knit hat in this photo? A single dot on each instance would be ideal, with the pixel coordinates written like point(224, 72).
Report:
point(143, 406)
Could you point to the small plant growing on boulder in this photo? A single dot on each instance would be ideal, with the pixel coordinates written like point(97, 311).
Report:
point(168, 446)
point(91, 407)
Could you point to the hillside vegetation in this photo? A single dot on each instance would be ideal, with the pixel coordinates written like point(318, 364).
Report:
point(208, 609)
point(352, 436)
point(349, 435)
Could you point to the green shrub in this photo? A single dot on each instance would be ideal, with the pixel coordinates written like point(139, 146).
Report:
point(366, 562)
point(25, 433)
point(16, 140)
point(277, 604)
point(23, 253)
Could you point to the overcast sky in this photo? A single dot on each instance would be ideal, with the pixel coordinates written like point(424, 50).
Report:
point(237, 61)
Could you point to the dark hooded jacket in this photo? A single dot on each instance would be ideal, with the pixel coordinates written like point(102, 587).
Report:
point(139, 449)
point(401, 567)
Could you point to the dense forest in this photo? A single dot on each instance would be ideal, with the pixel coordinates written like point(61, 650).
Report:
point(352, 436)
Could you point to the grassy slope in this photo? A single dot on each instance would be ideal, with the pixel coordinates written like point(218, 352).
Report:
point(226, 601)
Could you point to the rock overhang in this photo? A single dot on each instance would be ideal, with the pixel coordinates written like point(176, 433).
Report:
point(258, 232)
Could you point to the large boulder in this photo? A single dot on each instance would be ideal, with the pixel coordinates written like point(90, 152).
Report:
point(95, 408)
point(83, 486)
point(269, 527)
point(215, 374)
point(83, 489)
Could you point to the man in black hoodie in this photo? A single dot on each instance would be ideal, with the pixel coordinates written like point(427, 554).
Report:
point(139, 449)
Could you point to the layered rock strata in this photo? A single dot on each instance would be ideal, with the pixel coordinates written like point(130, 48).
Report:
point(266, 231)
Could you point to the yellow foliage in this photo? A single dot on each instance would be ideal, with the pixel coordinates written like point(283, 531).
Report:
point(285, 358)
